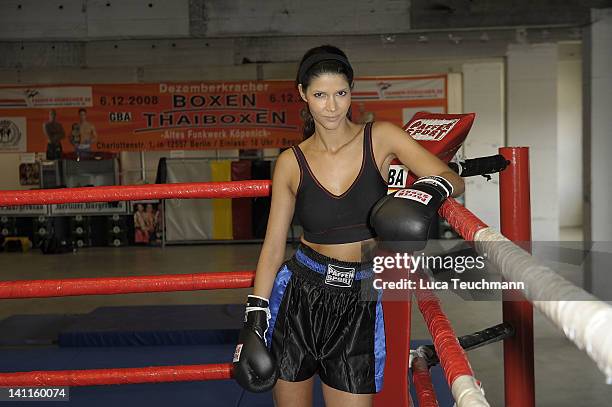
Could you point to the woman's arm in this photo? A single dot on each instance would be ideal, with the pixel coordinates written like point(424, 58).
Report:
point(281, 212)
point(394, 141)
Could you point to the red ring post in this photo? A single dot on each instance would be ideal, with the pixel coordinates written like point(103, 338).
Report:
point(397, 312)
point(515, 213)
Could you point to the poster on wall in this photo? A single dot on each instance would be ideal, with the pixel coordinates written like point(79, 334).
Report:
point(29, 174)
point(397, 99)
point(13, 134)
point(147, 222)
point(190, 115)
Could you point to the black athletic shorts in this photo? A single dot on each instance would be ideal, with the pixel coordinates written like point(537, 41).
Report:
point(327, 319)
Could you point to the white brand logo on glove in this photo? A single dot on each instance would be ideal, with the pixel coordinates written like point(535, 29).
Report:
point(414, 195)
point(339, 276)
point(237, 353)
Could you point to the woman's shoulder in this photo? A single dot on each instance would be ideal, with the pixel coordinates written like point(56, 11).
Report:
point(287, 170)
point(286, 162)
point(384, 126)
point(383, 131)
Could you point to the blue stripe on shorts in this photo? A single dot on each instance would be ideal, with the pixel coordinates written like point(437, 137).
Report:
point(278, 291)
point(379, 344)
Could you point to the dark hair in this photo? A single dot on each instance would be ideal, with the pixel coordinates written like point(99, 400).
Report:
point(82, 110)
point(315, 62)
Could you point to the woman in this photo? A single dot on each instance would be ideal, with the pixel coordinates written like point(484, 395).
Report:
point(315, 320)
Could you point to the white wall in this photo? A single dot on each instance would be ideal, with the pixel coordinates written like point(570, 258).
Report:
point(598, 137)
point(9, 171)
point(569, 135)
point(455, 93)
point(27, 19)
point(532, 122)
point(601, 125)
point(95, 19)
point(314, 17)
point(483, 93)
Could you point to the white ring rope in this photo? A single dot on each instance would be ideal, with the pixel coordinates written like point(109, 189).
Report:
point(468, 393)
point(585, 320)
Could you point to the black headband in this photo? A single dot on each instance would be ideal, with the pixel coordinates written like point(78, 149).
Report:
point(316, 58)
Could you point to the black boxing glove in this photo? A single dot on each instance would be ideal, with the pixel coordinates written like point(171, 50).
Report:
point(403, 219)
point(254, 367)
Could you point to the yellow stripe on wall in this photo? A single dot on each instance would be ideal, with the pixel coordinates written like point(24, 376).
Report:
point(222, 208)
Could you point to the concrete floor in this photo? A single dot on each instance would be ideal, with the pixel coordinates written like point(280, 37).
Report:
point(565, 376)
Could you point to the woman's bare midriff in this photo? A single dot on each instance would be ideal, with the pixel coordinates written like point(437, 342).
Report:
point(345, 251)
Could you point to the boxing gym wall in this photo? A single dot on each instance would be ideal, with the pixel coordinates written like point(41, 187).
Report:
point(89, 52)
point(182, 116)
point(527, 85)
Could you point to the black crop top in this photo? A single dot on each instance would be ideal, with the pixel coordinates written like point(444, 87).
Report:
point(330, 219)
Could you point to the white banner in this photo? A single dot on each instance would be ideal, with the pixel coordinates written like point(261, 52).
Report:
point(45, 97)
point(24, 210)
point(90, 208)
point(399, 89)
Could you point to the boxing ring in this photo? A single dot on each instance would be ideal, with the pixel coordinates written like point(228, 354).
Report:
point(587, 322)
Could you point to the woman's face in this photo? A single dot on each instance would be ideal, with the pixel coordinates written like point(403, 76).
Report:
point(140, 208)
point(329, 99)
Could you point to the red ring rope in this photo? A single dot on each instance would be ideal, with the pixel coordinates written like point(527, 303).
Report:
point(233, 189)
point(423, 386)
point(461, 219)
point(133, 375)
point(125, 285)
point(452, 356)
